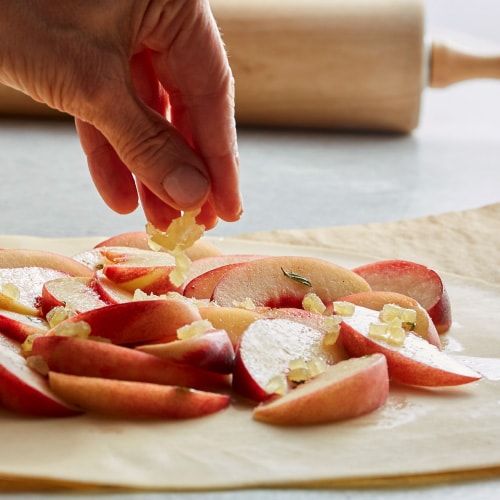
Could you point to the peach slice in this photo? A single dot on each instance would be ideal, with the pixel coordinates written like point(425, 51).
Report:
point(139, 321)
point(202, 286)
point(137, 400)
point(266, 349)
point(377, 299)
point(26, 284)
point(97, 258)
point(283, 281)
point(336, 351)
point(24, 391)
point(90, 358)
point(109, 291)
point(412, 362)
point(206, 272)
point(73, 292)
point(234, 320)
point(415, 280)
point(348, 389)
point(139, 239)
point(27, 258)
point(20, 326)
point(211, 350)
point(149, 279)
point(133, 269)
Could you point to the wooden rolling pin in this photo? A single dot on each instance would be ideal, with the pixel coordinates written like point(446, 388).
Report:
point(338, 64)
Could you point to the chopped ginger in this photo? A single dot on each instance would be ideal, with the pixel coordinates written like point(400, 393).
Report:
point(10, 290)
point(244, 304)
point(194, 329)
point(390, 332)
point(182, 233)
point(79, 329)
point(301, 370)
point(277, 385)
point(330, 338)
point(316, 366)
point(311, 302)
point(27, 345)
point(344, 308)
point(332, 323)
point(407, 317)
point(58, 314)
point(390, 311)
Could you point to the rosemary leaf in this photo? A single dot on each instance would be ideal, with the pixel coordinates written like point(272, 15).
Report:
point(297, 277)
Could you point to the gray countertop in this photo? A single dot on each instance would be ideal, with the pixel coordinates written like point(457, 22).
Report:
point(293, 179)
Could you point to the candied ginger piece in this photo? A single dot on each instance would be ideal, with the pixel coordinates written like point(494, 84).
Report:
point(277, 385)
point(344, 308)
point(10, 290)
point(194, 329)
point(58, 314)
point(181, 234)
point(311, 302)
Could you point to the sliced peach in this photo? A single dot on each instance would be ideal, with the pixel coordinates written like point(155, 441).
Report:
point(234, 320)
point(377, 299)
point(202, 287)
point(149, 279)
point(284, 281)
point(109, 291)
point(139, 239)
point(139, 400)
point(137, 322)
point(73, 292)
point(413, 362)
point(348, 389)
point(206, 272)
point(24, 391)
point(266, 349)
point(90, 358)
point(20, 326)
point(336, 351)
point(25, 258)
point(415, 280)
point(211, 350)
point(26, 284)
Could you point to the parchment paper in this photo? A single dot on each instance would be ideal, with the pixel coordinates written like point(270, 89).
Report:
point(419, 436)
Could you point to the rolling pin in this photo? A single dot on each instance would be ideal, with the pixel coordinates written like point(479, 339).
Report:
point(335, 64)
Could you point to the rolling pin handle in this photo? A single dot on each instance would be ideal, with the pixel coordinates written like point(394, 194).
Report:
point(449, 65)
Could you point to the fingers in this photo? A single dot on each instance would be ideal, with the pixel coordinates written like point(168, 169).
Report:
point(111, 177)
point(193, 67)
point(135, 139)
point(160, 215)
point(155, 152)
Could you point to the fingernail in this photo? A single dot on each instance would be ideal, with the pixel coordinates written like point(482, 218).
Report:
point(185, 185)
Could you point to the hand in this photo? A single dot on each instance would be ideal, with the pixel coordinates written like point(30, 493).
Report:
point(120, 68)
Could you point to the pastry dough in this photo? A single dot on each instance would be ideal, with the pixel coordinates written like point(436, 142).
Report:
point(420, 435)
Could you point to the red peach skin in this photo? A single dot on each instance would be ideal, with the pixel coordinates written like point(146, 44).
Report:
point(24, 391)
point(415, 280)
point(348, 389)
point(76, 356)
point(136, 400)
point(139, 321)
point(416, 362)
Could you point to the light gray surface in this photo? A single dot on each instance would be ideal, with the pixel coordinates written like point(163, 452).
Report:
point(294, 179)
point(290, 179)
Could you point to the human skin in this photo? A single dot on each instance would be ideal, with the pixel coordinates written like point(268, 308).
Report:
point(152, 93)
